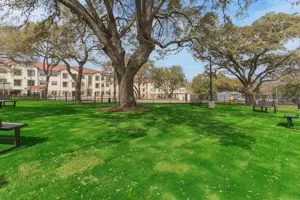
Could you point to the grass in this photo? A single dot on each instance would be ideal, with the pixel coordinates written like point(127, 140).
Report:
point(171, 152)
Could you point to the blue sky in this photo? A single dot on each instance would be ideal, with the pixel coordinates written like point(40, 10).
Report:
point(191, 67)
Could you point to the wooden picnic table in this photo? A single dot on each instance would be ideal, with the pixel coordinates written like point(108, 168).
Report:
point(289, 118)
point(8, 126)
point(196, 102)
point(265, 105)
point(3, 103)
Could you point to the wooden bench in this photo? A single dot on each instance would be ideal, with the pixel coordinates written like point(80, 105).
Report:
point(3, 103)
point(264, 106)
point(195, 102)
point(5, 100)
point(289, 118)
point(8, 126)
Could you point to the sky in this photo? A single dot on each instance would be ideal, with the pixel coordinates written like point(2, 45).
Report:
point(191, 67)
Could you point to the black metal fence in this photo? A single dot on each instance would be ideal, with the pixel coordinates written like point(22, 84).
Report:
point(100, 99)
point(105, 99)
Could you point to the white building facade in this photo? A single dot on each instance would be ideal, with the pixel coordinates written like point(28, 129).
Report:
point(21, 79)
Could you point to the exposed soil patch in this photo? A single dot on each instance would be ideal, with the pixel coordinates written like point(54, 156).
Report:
point(124, 109)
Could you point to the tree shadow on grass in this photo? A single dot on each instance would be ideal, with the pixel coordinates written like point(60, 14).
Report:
point(128, 133)
point(237, 139)
point(24, 113)
point(26, 141)
point(3, 181)
point(201, 121)
point(282, 124)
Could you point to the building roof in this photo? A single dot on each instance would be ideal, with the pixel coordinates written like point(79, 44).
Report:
point(57, 68)
point(60, 67)
point(86, 70)
point(6, 62)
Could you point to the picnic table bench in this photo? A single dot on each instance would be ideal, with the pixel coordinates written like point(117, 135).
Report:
point(196, 102)
point(8, 126)
point(289, 118)
point(3, 103)
point(5, 100)
point(264, 106)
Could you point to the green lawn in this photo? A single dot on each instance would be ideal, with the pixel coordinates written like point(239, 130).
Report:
point(171, 152)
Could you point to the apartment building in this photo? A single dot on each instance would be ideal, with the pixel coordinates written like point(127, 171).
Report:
point(21, 79)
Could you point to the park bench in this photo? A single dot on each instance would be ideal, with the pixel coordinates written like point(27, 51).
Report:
point(5, 101)
point(289, 118)
point(8, 126)
point(195, 102)
point(264, 105)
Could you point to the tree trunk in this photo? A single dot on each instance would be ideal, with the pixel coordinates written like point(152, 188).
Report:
point(126, 92)
point(170, 95)
point(46, 87)
point(78, 90)
point(249, 98)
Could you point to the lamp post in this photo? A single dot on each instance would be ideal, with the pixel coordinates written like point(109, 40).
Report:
point(114, 85)
point(211, 103)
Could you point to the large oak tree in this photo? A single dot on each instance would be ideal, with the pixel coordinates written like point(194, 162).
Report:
point(254, 54)
point(132, 26)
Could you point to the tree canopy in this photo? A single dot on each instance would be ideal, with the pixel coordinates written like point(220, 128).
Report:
point(168, 79)
point(254, 54)
point(132, 27)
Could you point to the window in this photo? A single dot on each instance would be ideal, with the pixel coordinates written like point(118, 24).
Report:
point(82, 84)
point(83, 76)
point(17, 82)
point(3, 70)
point(102, 78)
point(65, 84)
point(54, 74)
point(97, 85)
point(42, 73)
point(65, 75)
point(107, 92)
point(3, 80)
point(30, 83)
point(90, 78)
point(53, 82)
point(97, 78)
point(107, 85)
point(102, 85)
point(17, 72)
point(30, 72)
point(73, 84)
point(42, 82)
point(53, 92)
